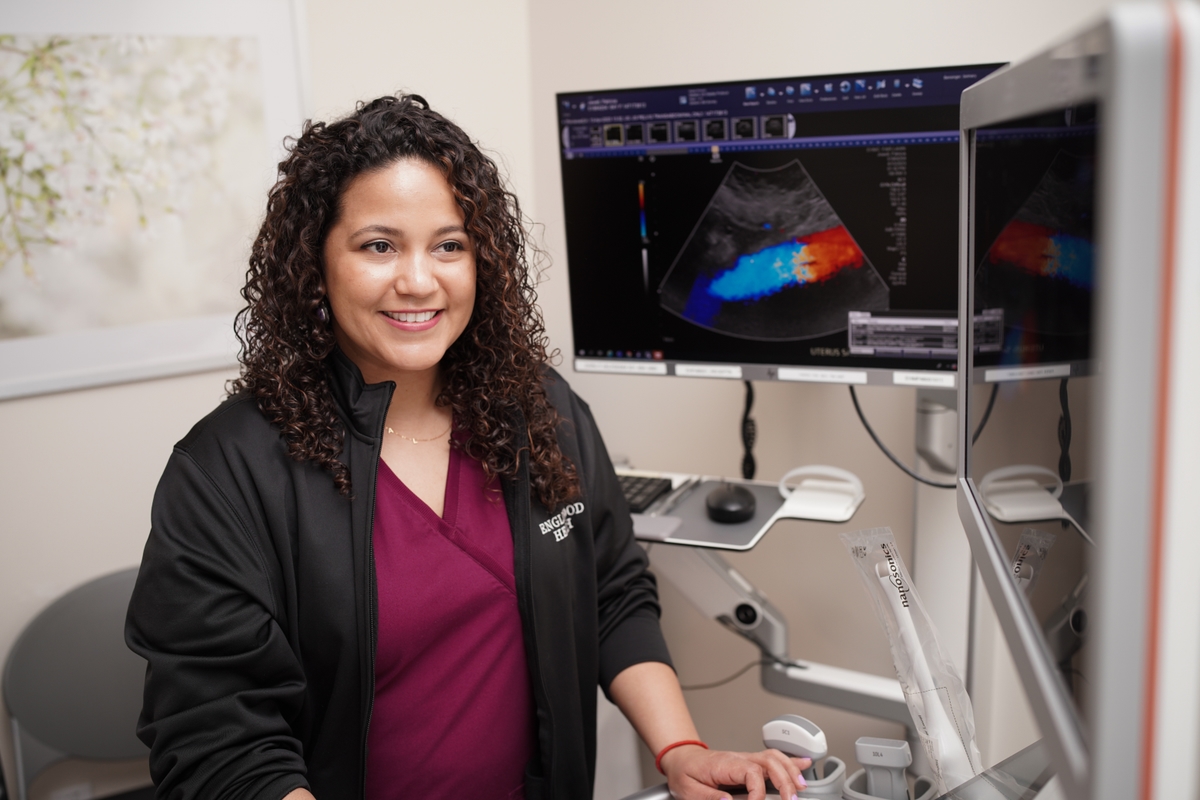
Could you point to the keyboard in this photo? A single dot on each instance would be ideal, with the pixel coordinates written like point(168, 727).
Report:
point(641, 491)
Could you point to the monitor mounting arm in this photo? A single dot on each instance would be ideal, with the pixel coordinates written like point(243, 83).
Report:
point(719, 592)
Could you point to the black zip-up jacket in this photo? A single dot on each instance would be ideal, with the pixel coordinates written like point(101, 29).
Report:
point(255, 606)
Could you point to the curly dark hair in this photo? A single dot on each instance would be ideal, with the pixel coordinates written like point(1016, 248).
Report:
point(495, 367)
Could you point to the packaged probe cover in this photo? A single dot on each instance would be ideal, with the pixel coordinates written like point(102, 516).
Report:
point(937, 699)
point(1030, 555)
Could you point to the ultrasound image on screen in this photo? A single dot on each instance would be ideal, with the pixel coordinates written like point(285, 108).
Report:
point(1039, 268)
point(771, 260)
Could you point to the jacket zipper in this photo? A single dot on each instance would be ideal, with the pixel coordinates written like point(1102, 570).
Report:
point(372, 621)
point(525, 552)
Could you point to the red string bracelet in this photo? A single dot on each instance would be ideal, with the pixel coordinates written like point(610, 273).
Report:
point(658, 758)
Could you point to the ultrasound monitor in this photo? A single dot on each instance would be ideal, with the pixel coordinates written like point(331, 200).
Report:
point(799, 229)
point(1077, 470)
point(1030, 391)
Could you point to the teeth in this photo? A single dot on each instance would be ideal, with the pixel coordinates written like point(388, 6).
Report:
point(414, 316)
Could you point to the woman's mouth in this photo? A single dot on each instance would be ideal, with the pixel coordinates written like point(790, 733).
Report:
point(411, 316)
point(413, 320)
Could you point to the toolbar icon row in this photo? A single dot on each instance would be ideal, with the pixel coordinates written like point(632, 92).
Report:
point(858, 86)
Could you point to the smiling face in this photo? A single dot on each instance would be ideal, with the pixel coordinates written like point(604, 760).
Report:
point(399, 271)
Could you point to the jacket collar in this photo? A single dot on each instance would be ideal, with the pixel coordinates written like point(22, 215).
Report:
point(363, 405)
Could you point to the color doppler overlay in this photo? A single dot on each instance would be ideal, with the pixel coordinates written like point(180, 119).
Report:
point(1042, 251)
point(770, 259)
point(1039, 269)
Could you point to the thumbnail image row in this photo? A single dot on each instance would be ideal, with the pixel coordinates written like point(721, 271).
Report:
point(773, 126)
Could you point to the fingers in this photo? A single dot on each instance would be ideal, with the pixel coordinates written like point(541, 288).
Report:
point(783, 773)
point(780, 770)
point(720, 769)
point(696, 777)
point(800, 763)
point(756, 782)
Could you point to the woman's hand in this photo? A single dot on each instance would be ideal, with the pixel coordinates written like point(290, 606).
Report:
point(694, 773)
point(650, 697)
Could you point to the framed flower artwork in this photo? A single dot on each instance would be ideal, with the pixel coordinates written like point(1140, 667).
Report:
point(137, 144)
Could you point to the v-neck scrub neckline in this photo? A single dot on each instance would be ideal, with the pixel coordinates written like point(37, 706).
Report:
point(453, 707)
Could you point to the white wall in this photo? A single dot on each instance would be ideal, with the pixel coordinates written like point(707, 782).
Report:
point(80, 467)
point(468, 58)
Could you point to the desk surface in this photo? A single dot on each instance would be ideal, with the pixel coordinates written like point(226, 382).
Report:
point(697, 530)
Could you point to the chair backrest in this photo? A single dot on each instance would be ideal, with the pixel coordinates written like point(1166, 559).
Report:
point(3, 785)
point(72, 687)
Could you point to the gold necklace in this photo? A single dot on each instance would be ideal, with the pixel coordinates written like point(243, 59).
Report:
point(418, 441)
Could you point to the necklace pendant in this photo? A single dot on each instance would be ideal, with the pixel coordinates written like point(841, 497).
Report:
point(413, 439)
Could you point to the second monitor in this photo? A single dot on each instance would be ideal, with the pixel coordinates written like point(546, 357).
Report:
point(790, 229)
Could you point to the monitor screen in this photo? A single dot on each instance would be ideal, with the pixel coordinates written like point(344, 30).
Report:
point(786, 229)
point(1034, 228)
point(1030, 390)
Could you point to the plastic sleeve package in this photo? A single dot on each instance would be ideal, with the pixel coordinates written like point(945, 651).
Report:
point(1030, 555)
point(937, 699)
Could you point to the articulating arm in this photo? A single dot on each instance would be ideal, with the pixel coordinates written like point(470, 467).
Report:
point(719, 592)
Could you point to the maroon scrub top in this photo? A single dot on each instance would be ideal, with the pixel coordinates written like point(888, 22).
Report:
point(454, 712)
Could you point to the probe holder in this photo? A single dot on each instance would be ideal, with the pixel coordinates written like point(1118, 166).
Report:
point(885, 761)
point(826, 494)
point(831, 782)
point(1014, 494)
point(855, 788)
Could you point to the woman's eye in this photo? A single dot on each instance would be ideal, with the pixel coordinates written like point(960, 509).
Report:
point(378, 247)
point(452, 246)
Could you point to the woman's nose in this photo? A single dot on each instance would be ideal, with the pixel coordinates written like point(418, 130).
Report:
point(415, 275)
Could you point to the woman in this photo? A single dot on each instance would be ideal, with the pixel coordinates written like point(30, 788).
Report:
point(396, 560)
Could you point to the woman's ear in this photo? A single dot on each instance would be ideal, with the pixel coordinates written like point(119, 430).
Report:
point(323, 312)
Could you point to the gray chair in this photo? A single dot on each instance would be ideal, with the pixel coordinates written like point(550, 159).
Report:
point(72, 687)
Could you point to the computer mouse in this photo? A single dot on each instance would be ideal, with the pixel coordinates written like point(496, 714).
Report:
point(730, 503)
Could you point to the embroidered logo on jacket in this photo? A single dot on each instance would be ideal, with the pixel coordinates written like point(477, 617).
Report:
point(561, 523)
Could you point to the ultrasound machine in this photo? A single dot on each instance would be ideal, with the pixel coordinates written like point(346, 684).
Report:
point(1025, 252)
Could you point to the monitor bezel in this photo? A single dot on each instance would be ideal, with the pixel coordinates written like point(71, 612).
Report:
point(1120, 64)
point(1044, 83)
